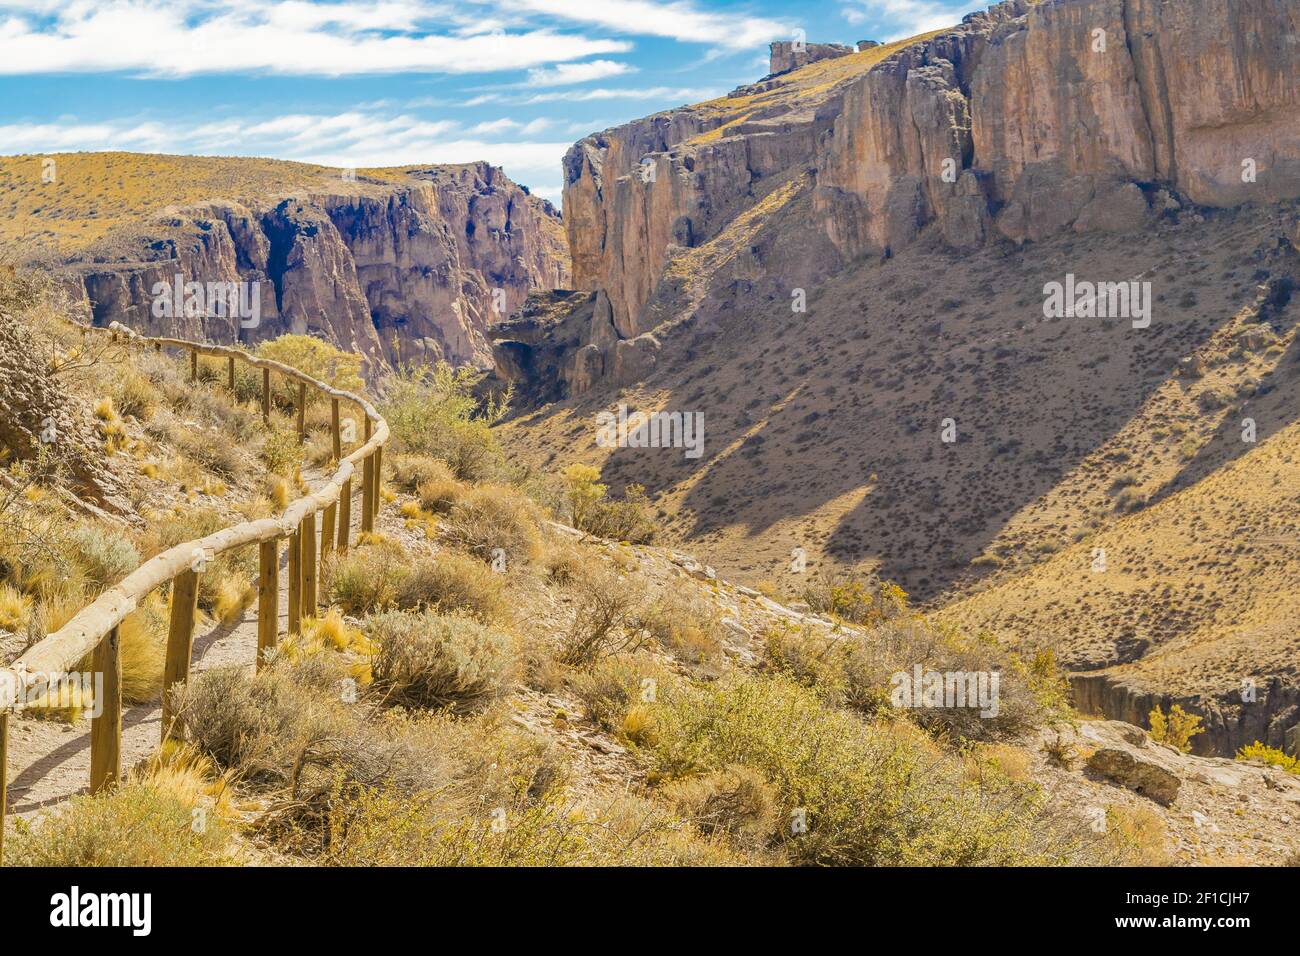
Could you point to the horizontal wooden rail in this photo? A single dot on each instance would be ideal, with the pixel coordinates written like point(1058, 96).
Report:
point(87, 631)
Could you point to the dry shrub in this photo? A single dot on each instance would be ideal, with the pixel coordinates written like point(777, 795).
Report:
point(852, 792)
point(453, 582)
point(148, 821)
point(687, 627)
point(603, 610)
point(614, 685)
point(859, 670)
point(440, 661)
point(368, 577)
point(387, 830)
point(735, 800)
point(492, 519)
point(104, 554)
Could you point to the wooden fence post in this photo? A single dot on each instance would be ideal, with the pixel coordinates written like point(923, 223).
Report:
point(345, 515)
point(106, 729)
point(230, 373)
point(308, 538)
point(194, 365)
point(4, 779)
point(328, 520)
point(335, 433)
point(368, 494)
point(379, 479)
point(268, 597)
point(295, 582)
point(302, 411)
point(180, 642)
point(266, 395)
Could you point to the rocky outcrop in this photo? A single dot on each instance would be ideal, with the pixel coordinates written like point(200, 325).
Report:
point(1268, 713)
point(415, 269)
point(785, 55)
point(41, 425)
point(1022, 121)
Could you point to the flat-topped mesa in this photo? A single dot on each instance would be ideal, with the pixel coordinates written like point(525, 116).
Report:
point(789, 55)
point(1021, 121)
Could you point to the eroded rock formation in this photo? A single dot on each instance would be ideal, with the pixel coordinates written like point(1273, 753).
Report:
point(1024, 120)
point(411, 270)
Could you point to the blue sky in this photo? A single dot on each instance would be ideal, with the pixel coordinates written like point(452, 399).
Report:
point(392, 82)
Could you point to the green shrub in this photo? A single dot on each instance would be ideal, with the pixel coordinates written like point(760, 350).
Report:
point(850, 792)
point(432, 411)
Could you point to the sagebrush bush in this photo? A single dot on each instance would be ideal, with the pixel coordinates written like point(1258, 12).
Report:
point(494, 519)
point(454, 582)
point(867, 794)
point(367, 577)
point(440, 661)
point(105, 555)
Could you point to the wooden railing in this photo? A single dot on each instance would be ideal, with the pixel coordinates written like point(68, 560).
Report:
point(94, 629)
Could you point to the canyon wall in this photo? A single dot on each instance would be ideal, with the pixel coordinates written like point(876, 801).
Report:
point(404, 271)
point(1024, 120)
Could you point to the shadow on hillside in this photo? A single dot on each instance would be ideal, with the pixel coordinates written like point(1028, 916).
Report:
point(885, 354)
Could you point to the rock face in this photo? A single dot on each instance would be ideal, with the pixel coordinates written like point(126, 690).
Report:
point(36, 414)
point(1268, 713)
point(1022, 121)
point(413, 270)
point(786, 55)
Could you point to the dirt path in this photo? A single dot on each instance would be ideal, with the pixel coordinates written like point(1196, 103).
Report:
point(49, 759)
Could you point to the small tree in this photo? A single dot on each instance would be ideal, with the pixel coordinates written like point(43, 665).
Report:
point(583, 492)
point(1176, 729)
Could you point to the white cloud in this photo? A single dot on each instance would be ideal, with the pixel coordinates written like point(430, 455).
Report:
point(900, 19)
point(566, 73)
point(681, 20)
point(674, 93)
point(191, 37)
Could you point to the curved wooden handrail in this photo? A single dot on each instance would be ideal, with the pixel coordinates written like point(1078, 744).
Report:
point(59, 652)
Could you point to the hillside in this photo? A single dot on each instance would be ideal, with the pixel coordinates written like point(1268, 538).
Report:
point(483, 684)
point(881, 387)
point(399, 264)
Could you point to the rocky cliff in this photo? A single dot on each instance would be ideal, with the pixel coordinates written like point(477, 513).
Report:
point(1023, 121)
point(413, 266)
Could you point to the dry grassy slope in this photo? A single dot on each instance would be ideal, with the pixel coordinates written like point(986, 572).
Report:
point(96, 193)
point(793, 93)
point(822, 430)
